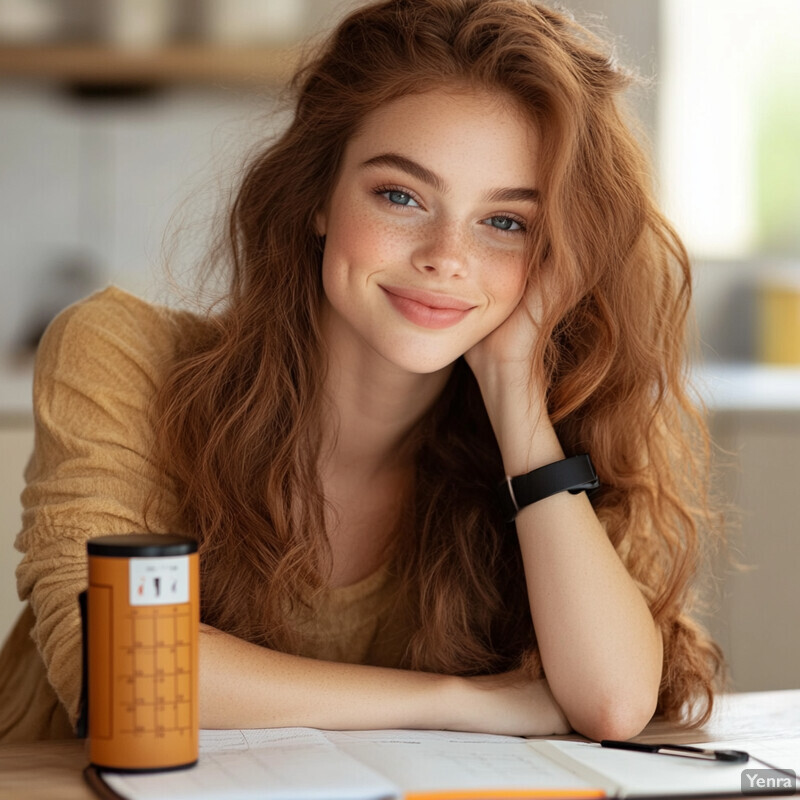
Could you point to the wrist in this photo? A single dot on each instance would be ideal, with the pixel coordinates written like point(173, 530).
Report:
point(517, 409)
point(509, 704)
point(455, 706)
point(470, 708)
point(528, 445)
point(573, 475)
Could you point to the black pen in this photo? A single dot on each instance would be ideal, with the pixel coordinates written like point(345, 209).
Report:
point(685, 750)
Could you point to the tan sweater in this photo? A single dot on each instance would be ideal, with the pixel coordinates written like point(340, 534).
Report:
point(97, 369)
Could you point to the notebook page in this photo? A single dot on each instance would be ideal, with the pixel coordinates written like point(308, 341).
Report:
point(427, 763)
point(279, 764)
point(212, 741)
point(631, 773)
point(780, 753)
point(393, 736)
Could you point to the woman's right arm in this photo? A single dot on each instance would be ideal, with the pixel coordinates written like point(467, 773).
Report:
point(97, 368)
point(243, 685)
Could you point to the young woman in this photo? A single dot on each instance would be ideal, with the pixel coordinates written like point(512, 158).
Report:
point(449, 270)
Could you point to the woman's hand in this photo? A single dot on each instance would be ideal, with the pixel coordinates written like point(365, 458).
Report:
point(513, 388)
point(510, 344)
point(512, 704)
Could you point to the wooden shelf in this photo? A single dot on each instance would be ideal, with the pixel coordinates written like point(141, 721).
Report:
point(194, 64)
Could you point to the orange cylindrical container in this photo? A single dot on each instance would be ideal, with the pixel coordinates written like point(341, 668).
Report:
point(143, 614)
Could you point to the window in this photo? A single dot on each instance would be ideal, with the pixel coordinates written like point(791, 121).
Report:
point(729, 127)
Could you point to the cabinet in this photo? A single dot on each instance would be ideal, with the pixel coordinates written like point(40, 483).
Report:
point(758, 600)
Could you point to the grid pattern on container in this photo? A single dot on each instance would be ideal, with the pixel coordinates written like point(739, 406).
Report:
point(155, 681)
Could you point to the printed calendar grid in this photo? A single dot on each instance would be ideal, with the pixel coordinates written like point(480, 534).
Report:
point(155, 697)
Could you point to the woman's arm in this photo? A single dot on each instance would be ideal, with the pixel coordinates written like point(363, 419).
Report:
point(243, 685)
point(600, 648)
point(97, 367)
point(599, 645)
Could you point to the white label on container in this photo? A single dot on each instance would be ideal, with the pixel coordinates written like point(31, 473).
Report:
point(158, 581)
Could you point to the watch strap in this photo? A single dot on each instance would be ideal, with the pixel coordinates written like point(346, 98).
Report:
point(575, 474)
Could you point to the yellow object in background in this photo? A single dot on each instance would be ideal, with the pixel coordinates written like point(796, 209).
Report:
point(779, 320)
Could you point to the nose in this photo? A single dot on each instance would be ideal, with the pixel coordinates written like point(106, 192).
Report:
point(442, 249)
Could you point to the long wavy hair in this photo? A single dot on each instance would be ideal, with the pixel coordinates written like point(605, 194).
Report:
point(238, 418)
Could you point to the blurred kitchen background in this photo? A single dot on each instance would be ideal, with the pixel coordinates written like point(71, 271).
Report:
point(123, 124)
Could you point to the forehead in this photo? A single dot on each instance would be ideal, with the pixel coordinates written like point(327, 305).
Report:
point(477, 129)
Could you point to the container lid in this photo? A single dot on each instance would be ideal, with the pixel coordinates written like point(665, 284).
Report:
point(141, 545)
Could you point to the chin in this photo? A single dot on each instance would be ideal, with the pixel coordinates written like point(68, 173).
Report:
point(416, 352)
point(423, 364)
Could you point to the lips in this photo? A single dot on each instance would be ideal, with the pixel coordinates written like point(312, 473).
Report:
point(428, 309)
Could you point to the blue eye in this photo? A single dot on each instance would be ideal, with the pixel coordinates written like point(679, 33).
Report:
point(505, 224)
point(399, 198)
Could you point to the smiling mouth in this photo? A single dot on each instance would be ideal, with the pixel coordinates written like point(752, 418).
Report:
point(428, 309)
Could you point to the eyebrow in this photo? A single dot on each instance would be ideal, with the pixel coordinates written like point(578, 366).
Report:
point(416, 170)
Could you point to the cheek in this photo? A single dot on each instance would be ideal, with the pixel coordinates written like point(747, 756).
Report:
point(361, 242)
point(506, 282)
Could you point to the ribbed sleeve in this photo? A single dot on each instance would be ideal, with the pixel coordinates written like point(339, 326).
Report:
point(96, 372)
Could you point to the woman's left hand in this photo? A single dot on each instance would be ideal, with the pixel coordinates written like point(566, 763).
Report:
point(511, 343)
point(502, 361)
point(513, 387)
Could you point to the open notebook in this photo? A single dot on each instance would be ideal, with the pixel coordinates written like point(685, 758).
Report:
point(309, 764)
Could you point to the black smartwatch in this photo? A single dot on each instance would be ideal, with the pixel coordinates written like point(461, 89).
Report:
point(573, 475)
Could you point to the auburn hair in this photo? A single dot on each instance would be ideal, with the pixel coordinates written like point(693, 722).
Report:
point(238, 417)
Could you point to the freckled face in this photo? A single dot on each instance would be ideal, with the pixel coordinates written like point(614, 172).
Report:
point(425, 228)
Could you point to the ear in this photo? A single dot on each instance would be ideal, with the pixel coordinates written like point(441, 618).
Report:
point(321, 222)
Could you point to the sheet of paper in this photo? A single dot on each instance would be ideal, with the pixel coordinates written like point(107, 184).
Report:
point(779, 753)
point(451, 766)
point(444, 761)
point(308, 764)
point(414, 737)
point(279, 764)
point(212, 741)
point(647, 774)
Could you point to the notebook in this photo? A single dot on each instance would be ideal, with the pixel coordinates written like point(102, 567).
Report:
point(310, 764)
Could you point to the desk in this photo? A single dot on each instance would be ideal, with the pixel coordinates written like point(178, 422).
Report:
point(52, 770)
